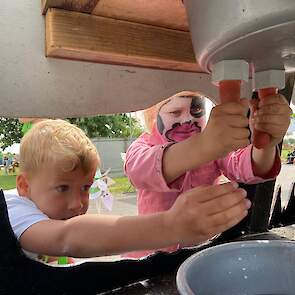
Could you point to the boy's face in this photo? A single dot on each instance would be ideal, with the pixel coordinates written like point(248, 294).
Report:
point(61, 195)
point(181, 117)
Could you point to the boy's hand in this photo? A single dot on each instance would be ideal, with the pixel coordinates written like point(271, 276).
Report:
point(205, 211)
point(227, 129)
point(271, 115)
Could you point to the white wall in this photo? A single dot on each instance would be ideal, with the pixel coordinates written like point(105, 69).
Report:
point(110, 150)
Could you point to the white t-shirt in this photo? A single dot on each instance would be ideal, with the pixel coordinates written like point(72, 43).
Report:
point(22, 213)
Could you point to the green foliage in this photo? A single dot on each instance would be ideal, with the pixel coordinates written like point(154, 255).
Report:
point(284, 153)
point(7, 181)
point(121, 186)
point(291, 141)
point(120, 125)
point(10, 132)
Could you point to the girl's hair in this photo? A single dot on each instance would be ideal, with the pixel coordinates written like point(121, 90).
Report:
point(150, 114)
point(57, 142)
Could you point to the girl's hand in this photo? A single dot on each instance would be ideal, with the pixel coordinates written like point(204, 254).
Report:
point(227, 129)
point(271, 115)
point(205, 211)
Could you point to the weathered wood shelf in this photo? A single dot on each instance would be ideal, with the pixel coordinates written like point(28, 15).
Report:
point(161, 13)
point(152, 34)
point(80, 36)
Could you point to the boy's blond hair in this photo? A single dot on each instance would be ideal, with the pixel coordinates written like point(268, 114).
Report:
point(150, 114)
point(57, 142)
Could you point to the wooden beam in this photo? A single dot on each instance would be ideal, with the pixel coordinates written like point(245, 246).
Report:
point(79, 36)
point(169, 14)
point(86, 6)
point(161, 13)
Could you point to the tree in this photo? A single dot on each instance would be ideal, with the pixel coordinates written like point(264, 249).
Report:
point(121, 125)
point(10, 132)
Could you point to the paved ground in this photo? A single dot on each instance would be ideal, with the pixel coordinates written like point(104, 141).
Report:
point(124, 204)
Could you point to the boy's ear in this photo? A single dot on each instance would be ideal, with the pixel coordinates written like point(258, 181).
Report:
point(22, 185)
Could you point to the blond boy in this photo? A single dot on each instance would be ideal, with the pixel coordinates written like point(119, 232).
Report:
point(47, 210)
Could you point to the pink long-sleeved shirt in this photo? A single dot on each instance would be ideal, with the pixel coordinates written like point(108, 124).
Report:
point(143, 166)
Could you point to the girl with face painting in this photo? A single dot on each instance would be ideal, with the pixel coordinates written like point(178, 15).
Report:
point(179, 151)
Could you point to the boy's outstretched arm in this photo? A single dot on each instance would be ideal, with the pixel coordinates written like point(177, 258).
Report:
point(196, 216)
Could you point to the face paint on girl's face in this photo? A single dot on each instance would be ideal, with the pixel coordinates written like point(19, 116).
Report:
point(181, 117)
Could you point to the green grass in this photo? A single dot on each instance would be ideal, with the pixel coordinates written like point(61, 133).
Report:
point(122, 185)
point(284, 154)
point(7, 181)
